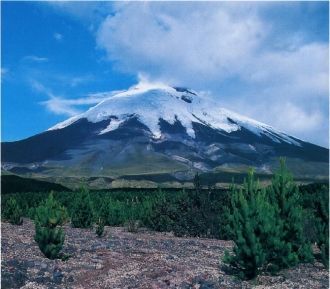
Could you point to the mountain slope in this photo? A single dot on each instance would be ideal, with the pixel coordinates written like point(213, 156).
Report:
point(163, 130)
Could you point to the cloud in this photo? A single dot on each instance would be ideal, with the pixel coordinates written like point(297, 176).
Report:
point(34, 58)
point(58, 106)
point(228, 49)
point(78, 80)
point(64, 106)
point(205, 42)
point(58, 36)
point(54, 104)
point(87, 12)
point(299, 119)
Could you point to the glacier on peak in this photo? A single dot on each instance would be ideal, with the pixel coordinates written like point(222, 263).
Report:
point(151, 102)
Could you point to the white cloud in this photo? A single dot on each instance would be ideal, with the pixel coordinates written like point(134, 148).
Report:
point(180, 47)
point(34, 58)
point(40, 88)
point(58, 106)
point(54, 104)
point(299, 119)
point(77, 80)
point(64, 106)
point(58, 36)
point(205, 45)
point(90, 13)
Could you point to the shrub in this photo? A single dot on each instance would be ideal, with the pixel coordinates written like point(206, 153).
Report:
point(12, 212)
point(316, 202)
point(111, 212)
point(100, 227)
point(261, 235)
point(163, 215)
point(48, 216)
point(133, 225)
point(247, 205)
point(285, 197)
point(190, 213)
point(322, 224)
point(82, 212)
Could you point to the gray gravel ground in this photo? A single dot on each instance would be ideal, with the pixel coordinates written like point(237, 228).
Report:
point(133, 260)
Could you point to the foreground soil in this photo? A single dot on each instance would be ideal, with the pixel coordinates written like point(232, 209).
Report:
point(133, 260)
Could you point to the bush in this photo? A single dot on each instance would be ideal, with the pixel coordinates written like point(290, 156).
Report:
point(316, 202)
point(266, 226)
point(198, 214)
point(285, 197)
point(100, 227)
point(250, 220)
point(48, 216)
point(163, 215)
point(193, 213)
point(133, 225)
point(322, 224)
point(111, 212)
point(82, 212)
point(12, 212)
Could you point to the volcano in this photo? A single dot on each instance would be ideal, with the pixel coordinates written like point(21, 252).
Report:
point(160, 130)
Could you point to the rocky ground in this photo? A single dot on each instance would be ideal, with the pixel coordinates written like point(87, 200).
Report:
point(121, 259)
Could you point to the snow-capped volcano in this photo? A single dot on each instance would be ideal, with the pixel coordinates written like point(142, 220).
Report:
point(157, 129)
point(171, 104)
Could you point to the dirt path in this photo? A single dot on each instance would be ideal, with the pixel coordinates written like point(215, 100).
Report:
point(125, 260)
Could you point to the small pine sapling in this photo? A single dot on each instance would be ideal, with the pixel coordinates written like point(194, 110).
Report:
point(99, 227)
point(82, 213)
point(248, 256)
point(285, 196)
point(49, 215)
point(13, 212)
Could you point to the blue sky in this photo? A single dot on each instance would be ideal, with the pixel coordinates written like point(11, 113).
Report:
point(265, 60)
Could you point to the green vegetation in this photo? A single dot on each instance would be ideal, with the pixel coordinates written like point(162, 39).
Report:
point(49, 215)
point(285, 198)
point(82, 212)
point(272, 227)
point(12, 212)
point(316, 204)
point(15, 184)
point(99, 227)
point(196, 213)
point(267, 226)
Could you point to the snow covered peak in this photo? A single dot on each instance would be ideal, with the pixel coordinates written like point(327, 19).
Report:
point(150, 102)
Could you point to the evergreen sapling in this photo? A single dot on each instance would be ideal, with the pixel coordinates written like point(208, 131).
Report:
point(49, 215)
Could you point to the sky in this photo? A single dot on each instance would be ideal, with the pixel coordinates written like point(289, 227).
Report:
point(265, 60)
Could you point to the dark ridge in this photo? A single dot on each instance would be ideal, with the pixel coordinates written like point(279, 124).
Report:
point(175, 128)
point(16, 184)
point(131, 128)
point(186, 98)
point(183, 89)
point(50, 144)
point(151, 177)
